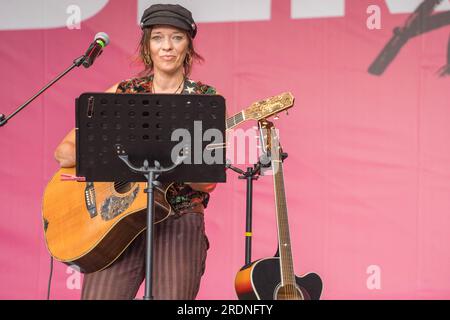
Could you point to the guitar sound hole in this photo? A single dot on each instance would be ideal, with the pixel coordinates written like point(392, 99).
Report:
point(289, 292)
point(122, 187)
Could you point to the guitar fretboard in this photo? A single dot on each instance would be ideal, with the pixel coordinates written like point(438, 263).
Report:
point(235, 120)
point(286, 263)
point(284, 244)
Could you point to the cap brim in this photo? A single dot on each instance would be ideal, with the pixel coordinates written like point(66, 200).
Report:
point(167, 21)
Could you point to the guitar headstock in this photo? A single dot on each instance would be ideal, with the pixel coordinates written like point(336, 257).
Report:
point(269, 139)
point(270, 106)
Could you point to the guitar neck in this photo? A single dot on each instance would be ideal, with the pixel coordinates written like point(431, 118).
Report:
point(284, 244)
point(235, 120)
point(262, 109)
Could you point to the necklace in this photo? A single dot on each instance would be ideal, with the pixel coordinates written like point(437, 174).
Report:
point(153, 86)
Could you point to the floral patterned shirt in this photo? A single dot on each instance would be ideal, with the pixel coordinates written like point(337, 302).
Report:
point(180, 196)
point(144, 85)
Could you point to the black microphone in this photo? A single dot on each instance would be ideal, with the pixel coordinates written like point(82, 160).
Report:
point(101, 40)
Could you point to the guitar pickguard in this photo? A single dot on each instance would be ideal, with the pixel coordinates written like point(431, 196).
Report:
point(113, 205)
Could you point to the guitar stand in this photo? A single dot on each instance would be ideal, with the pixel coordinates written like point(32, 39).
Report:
point(152, 174)
point(250, 175)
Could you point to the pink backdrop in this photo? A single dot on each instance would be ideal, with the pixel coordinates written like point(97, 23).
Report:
point(368, 173)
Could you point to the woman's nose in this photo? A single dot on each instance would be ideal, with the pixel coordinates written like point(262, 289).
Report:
point(167, 44)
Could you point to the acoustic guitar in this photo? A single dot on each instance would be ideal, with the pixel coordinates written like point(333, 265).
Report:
point(89, 224)
point(273, 278)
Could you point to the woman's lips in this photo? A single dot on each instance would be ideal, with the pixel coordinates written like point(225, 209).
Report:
point(167, 57)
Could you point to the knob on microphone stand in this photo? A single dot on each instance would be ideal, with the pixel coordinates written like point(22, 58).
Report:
point(95, 49)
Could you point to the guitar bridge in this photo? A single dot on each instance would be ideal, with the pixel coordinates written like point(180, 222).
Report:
point(89, 197)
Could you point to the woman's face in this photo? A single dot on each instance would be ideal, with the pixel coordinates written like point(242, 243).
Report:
point(168, 48)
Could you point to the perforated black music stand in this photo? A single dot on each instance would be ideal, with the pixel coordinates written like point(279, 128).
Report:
point(167, 134)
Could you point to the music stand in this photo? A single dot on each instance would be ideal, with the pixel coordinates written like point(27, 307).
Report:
point(167, 133)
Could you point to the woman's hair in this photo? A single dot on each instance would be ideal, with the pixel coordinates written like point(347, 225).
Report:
point(145, 58)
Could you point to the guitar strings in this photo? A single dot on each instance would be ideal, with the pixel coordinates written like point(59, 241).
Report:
point(283, 254)
point(290, 289)
point(281, 235)
point(292, 292)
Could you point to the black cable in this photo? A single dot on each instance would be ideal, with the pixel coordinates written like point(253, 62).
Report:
point(50, 278)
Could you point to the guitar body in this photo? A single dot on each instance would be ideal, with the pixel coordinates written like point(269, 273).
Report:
point(261, 280)
point(274, 278)
point(90, 224)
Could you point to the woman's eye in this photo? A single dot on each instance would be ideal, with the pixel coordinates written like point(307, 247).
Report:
point(156, 38)
point(178, 38)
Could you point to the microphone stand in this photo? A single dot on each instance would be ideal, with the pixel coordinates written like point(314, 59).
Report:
point(76, 63)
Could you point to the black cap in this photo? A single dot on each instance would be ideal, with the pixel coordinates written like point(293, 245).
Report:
point(169, 14)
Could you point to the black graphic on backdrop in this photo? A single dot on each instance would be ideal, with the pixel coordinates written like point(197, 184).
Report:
point(419, 22)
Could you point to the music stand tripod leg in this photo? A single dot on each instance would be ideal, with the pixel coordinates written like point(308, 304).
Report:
point(152, 174)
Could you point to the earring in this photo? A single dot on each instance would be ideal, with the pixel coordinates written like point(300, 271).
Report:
point(188, 59)
point(147, 60)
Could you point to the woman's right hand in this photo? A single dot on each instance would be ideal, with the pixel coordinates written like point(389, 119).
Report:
point(65, 152)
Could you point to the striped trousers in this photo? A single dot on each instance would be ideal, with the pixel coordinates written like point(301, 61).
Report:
point(179, 254)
